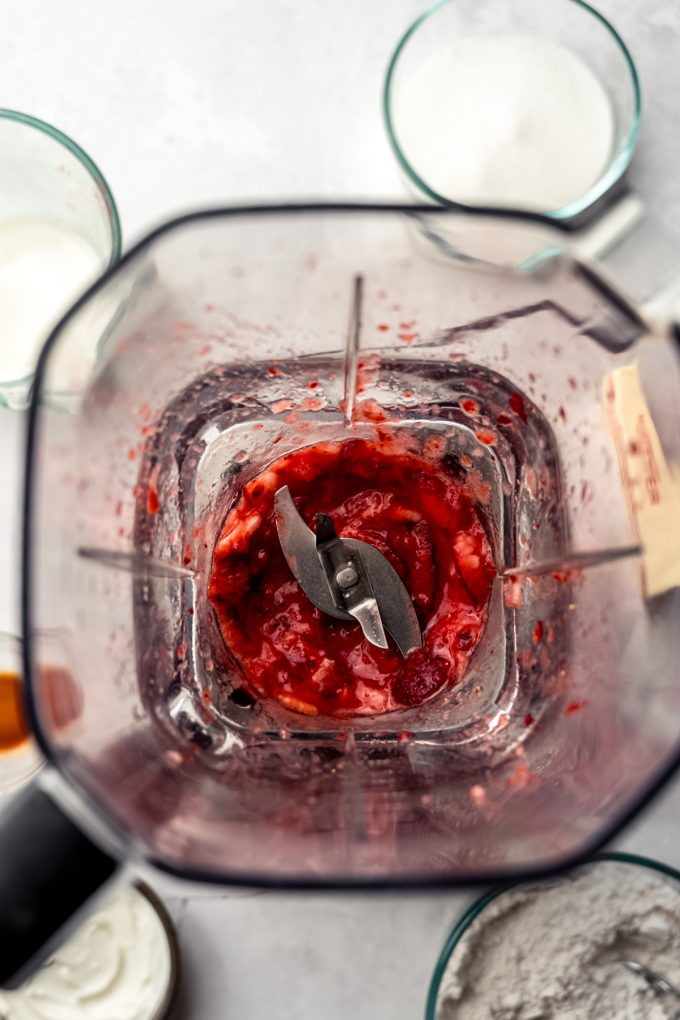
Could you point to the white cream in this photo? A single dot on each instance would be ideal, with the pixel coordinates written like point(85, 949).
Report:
point(43, 268)
point(116, 967)
point(508, 119)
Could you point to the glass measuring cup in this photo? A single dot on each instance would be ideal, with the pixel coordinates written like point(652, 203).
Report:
point(568, 26)
point(559, 732)
point(59, 226)
point(606, 220)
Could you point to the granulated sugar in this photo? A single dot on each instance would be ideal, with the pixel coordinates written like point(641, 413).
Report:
point(554, 951)
point(512, 119)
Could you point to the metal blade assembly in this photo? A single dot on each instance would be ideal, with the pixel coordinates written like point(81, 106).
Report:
point(346, 578)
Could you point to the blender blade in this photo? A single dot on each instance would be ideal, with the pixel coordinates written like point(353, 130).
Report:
point(348, 581)
point(347, 578)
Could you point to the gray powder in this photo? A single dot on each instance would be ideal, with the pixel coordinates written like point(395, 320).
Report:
point(551, 952)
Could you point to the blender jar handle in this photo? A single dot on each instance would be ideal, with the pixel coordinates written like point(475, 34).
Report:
point(48, 869)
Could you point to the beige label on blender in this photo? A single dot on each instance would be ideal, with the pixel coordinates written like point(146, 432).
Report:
point(652, 489)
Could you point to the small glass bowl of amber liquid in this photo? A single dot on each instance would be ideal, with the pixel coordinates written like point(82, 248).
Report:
point(19, 755)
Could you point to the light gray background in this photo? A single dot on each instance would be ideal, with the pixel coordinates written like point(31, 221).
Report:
point(184, 104)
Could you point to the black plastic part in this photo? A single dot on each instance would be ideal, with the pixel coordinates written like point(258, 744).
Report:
point(48, 869)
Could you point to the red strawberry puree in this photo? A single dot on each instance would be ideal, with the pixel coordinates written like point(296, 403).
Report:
point(418, 515)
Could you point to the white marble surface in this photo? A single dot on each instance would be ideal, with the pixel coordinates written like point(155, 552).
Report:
point(187, 104)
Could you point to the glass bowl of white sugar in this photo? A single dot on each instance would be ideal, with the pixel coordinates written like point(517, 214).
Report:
point(513, 104)
point(563, 947)
point(59, 229)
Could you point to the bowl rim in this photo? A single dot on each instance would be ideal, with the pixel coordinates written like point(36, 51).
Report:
point(606, 181)
point(479, 905)
point(171, 989)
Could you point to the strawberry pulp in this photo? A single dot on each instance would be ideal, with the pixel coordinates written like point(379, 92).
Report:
point(418, 513)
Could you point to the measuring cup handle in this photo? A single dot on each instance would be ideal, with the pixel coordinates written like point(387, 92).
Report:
point(638, 254)
point(48, 870)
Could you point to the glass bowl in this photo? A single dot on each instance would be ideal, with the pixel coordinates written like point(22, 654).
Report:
point(122, 960)
point(20, 758)
point(47, 183)
point(478, 906)
point(572, 24)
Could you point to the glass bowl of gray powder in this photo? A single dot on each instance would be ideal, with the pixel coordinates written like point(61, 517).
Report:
point(556, 949)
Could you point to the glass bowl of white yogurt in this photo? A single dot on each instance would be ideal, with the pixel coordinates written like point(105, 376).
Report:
point(59, 229)
point(513, 104)
point(563, 947)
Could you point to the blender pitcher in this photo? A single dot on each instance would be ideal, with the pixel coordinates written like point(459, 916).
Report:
point(211, 331)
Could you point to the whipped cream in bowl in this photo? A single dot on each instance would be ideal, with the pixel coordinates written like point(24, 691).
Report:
point(121, 964)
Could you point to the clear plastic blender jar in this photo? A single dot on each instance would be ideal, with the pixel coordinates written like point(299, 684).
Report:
point(543, 750)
